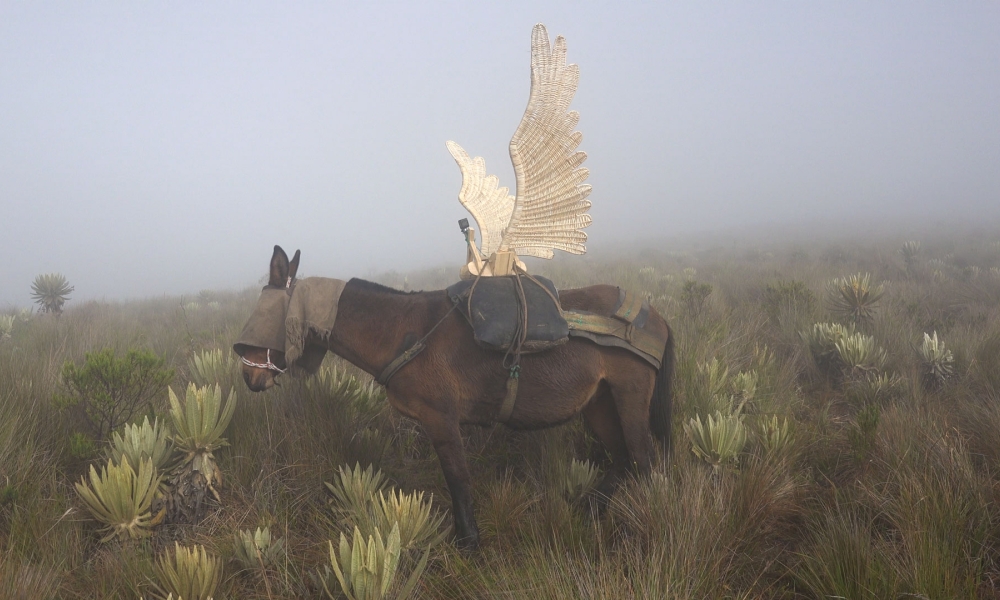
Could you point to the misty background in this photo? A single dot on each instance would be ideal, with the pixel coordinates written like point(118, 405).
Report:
point(151, 149)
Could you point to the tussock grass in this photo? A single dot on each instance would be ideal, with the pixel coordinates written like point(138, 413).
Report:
point(885, 486)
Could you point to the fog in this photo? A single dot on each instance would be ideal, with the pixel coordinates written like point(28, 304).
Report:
point(164, 148)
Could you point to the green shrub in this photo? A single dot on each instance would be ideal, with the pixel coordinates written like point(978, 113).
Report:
point(81, 446)
point(788, 298)
point(109, 391)
point(694, 295)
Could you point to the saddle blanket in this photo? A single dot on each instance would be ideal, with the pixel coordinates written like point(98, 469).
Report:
point(494, 309)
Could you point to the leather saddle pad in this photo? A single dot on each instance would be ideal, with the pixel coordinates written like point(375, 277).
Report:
point(494, 308)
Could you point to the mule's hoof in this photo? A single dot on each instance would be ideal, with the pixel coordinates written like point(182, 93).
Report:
point(468, 543)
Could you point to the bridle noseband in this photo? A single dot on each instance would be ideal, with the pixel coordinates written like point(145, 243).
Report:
point(268, 365)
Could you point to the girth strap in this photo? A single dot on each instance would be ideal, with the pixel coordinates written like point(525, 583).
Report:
point(399, 362)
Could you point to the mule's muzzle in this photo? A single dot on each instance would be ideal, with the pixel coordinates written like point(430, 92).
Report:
point(258, 380)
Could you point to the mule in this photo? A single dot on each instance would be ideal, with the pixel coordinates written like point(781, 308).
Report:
point(454, 381)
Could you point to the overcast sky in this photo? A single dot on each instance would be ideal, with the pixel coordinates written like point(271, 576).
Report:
point(153, 147)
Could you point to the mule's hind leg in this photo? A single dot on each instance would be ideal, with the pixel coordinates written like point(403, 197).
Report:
point(601, 417)
point(631, 400)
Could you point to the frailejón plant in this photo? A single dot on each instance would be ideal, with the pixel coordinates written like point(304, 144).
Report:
point(775, 435)
point(419, 524)
point(744, 387)
point(212, 366)
point(873, 387)
point(859, 353)
point(822, 340)
point(854, 298)
point(339, 383)
point(136, 443)
point(909, 252)
point(199, 420)
point(366, 570)
point(120, 498)
point(937, 361)
point(353, 489)
point(715, 376)
point(717, 440)
point(6, 326)
point(188, 574)
point(50, 292)
point(580, 479)
point(257, 549)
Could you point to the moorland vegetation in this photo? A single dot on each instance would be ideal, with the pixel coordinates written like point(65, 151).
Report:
point(836, 434)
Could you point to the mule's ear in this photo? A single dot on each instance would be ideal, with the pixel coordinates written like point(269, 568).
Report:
point(279, 268)
point(293, 267)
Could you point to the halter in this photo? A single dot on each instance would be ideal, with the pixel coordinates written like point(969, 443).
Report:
point(268, 365)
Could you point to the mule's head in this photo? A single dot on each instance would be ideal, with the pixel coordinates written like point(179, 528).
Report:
point(261, 346)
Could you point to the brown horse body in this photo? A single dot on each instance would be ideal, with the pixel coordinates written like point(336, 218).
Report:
point(454, 381)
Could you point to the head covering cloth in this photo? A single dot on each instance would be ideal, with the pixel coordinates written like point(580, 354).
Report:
point(285, 316)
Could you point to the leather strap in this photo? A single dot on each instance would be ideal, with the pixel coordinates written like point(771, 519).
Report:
point(507, 408)
point(400, 361)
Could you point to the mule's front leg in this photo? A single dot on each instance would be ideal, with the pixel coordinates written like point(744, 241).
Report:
point(447, 440)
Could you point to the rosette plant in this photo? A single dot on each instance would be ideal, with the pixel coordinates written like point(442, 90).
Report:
point(257, 549)
point(50, 292)
point(199, 420)
point(136, 443)
point(120, 497)
point(188, 574)
point(367, 570)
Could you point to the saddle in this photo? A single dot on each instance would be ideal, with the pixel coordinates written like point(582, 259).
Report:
point(495, 307)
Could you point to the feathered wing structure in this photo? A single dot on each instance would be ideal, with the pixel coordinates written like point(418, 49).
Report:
point(490, 204)
point(549, 210)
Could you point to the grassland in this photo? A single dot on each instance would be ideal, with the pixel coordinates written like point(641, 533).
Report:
point(887, 486)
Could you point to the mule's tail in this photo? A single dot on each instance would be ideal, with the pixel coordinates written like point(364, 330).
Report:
point(661, 404)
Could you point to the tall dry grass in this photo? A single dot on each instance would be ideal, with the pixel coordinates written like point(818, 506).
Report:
point(881, 492)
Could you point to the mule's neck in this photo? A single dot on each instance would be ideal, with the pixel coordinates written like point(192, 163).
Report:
point(375, 323)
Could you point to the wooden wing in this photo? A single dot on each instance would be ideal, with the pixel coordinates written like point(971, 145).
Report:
point(550, 208)
point(490, 204)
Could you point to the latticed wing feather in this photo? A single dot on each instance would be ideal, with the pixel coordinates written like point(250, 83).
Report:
point(551, 204)
point(490, 204)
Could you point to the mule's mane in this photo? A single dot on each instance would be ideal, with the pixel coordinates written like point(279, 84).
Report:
point(371, 286)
